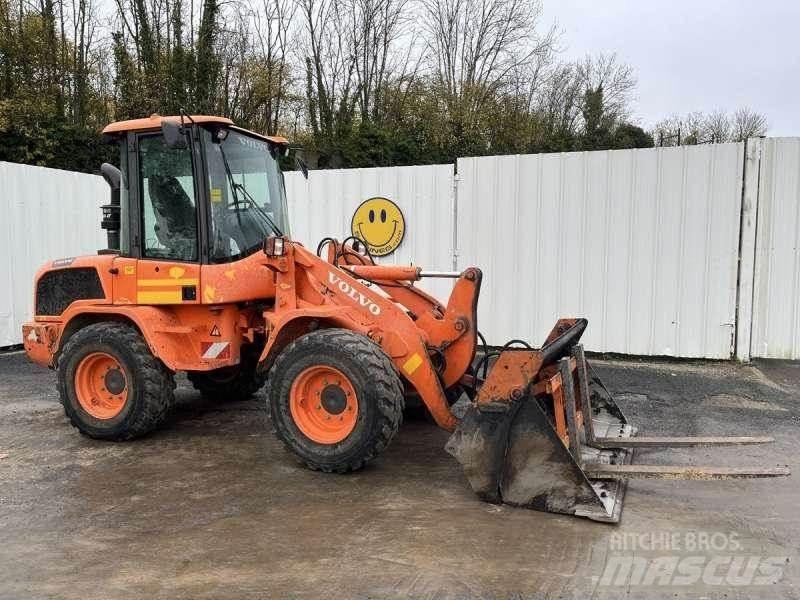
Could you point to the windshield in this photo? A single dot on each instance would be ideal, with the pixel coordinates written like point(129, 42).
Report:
point(248, 202)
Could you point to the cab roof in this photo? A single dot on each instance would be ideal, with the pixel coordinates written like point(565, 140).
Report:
point(154, 122)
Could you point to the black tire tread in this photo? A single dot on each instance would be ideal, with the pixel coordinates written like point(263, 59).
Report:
point(158, 381)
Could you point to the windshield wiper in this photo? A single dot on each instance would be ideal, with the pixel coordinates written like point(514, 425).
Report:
point(259, 210)
point(238, 186)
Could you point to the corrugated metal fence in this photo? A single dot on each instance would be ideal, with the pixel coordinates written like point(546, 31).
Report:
point(323, 205)
point(44, 214)
point(641, 242)
point(776, 297)
point(689, 251)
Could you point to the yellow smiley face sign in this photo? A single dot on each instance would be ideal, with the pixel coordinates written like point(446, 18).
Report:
point(380, 224)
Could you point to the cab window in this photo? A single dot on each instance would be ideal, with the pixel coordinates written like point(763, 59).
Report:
point(247, 199)
point(169, 213)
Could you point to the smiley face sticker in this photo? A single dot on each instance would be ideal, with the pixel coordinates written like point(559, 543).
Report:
point(380, 224)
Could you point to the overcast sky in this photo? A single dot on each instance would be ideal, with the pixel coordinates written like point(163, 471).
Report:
point(695, 55)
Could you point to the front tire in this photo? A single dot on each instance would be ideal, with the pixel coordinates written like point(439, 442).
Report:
point(336, 399)
point(111, 385)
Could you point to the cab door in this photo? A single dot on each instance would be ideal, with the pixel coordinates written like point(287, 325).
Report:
point(164, 221)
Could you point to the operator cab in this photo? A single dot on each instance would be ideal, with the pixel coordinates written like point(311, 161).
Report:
point(193, 189)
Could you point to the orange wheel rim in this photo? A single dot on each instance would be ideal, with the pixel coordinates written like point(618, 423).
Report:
point(101, 385)
point(323, 404)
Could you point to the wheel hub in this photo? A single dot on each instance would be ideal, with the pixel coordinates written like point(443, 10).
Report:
point(334, 399)
point(323, 404)
point(115, 381)
point(101, 387)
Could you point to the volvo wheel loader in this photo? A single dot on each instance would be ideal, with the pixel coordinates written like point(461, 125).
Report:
point(201, 276)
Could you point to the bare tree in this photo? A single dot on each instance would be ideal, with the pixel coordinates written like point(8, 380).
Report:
point(559, 102)
point(84, 25)
point(747, 123)
point(329, 60)
point(234, 51)
point(667, 132)
point(256, 75)
point(717, 127)
point(273, 29)
point(615, 78)
point(377, 25)
point(359, 81)
point(475, 46)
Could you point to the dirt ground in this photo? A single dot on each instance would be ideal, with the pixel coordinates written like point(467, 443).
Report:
point(211, 506)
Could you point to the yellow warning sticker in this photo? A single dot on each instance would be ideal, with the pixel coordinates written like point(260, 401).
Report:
point(216, 194)
point(412, 364)
point(129, 270)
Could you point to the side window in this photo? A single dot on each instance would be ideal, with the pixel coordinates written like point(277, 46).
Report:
point(169, 214)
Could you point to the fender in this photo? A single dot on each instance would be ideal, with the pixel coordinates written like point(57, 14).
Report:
point(170, 332)
point(285, 327)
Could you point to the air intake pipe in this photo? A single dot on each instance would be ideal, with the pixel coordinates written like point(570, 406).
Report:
point(111, 212)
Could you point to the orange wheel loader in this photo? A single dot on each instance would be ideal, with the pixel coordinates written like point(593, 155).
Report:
point(201, 276)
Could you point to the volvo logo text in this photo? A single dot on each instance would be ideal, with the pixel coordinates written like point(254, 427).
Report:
point(349, 291)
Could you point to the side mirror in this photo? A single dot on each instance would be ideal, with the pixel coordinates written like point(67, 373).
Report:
point(174, 135)
point(301, 165)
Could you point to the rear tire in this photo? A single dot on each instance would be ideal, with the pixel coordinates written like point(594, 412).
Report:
point(336, 399)
point(230, 384)
point(131, 400)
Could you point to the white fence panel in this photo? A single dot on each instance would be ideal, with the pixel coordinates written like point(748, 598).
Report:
point(776, 296)
point(641, 242)
point(45, 214)
point(323, 206)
